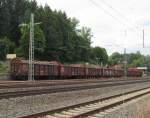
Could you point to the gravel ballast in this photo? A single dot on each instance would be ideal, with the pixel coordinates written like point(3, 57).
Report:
point(137, 108)
point(23, 106)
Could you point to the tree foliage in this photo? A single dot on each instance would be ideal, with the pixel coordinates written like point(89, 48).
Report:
point(133, 59)
point(116, 58)
point(99, 55)
point(57, 38)
point(39, 42)
point(6, 47)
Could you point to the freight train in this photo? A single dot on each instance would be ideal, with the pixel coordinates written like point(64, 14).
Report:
point(48, 70)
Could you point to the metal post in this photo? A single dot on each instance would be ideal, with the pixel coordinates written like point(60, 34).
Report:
point(125, 57)
point(31, 47)
point(143, 38)
point(101, 63)
point(31, 50)
point(125, 63)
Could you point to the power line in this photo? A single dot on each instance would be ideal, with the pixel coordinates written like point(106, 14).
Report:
point(119, 13)
point(107, 12)
point(114, 17)
point(100, 7)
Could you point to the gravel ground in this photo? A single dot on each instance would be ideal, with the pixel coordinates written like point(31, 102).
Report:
point(5, 90)
point(21, 106)
point(137, 108)
point(143, 108)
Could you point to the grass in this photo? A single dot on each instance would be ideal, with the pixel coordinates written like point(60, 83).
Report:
point(4, 67)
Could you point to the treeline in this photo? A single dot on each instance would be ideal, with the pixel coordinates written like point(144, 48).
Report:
point(133, 59)
point(56, 38)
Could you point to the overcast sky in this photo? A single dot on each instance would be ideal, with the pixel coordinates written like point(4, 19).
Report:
point(115, 24)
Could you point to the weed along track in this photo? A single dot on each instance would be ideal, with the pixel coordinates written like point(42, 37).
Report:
point(93, 109)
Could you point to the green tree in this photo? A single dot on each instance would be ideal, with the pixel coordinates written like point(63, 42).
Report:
point(99, 55)
point(39, 42)
point(137, 63)
point(5, 18)
point(133, 59)
point(137, 60)
point(83, 44)
point(116, 58)
point(147, 62)
point(12, 13)
point(6, 47)
point(64, 41)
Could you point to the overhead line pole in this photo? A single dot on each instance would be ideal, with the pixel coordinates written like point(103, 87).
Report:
point(31, 50)
point(125, 62)
point(125, 58)
point(31, 46)
point(143, 38)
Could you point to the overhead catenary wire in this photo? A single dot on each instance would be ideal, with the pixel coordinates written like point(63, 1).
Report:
point(132, 27)
point(100, 7)
point(119, 13)
point(113, 16)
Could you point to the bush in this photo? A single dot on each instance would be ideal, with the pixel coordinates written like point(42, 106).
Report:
point(6, 46)
point(3, 67)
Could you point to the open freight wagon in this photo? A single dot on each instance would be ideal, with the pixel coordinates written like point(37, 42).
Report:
point(48, 70)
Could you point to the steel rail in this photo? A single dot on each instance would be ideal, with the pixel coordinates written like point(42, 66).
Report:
point(84, 110)
point(7, 95)
point(49, 83)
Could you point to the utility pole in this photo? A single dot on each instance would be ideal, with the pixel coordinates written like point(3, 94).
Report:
point(125, 58)
point(31, 50)
point(125, 63)
point(31, 47)
point(143, 38)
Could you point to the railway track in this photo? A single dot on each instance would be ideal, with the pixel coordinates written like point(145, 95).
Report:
point(93, 109)
point(58, 89)
point(26, 84)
